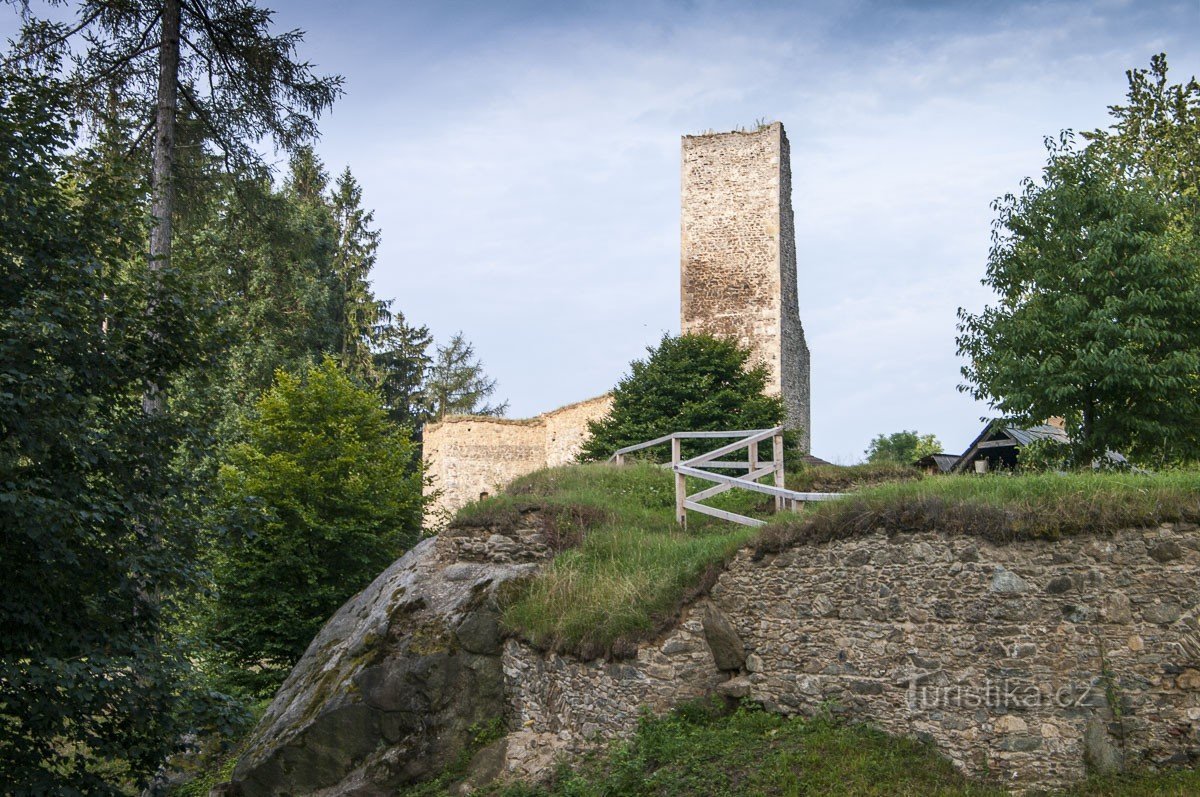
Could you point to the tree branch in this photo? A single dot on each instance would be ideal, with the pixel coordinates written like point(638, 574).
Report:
point(41, 49)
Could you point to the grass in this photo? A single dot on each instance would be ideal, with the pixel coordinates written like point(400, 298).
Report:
point(999, 508)
point(627, 570)
point(841, 479)
point(707, 750)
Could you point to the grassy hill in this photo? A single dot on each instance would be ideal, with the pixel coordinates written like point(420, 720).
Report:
point(626, 566)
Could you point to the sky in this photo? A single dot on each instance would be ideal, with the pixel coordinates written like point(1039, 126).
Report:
point(522, 160)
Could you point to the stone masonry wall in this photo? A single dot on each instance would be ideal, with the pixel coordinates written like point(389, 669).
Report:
point(567, 428)
point(738, 259)
point(470, 454)
point(1019, 662)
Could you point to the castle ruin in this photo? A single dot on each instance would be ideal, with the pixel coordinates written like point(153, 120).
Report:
point(738, 260)
point(737, 279)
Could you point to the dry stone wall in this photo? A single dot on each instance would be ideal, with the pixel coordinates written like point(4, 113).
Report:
point(1026, 663)
point(471, 454)
point(738, 262)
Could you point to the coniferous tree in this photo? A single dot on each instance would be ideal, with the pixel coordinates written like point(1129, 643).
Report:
point(217, 59)
point(457, 384)
point(686, 383)
point(401, 362)
point(358, 313)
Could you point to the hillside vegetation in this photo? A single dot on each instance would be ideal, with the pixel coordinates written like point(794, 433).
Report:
point(626, 567)
point(706, 749)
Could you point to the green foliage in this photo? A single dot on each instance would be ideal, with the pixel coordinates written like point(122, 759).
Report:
point(902, 448)
point(687, 383)
point(1157, 135)
point(1045, 454)
point(288, 271)
point(357, 313)
point(238, 79)
point(402, 362)
point(631, 566)
point(1098, 317)
point(94, 539)
point(704, 750)
point(455, 383)
point(1097, 273)
point(320, 498)
point(999, 508)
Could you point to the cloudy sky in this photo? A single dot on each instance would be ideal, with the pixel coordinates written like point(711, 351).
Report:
point(523, 162)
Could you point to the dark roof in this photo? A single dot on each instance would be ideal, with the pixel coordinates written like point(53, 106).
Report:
point(944, 462)
point(809, 459)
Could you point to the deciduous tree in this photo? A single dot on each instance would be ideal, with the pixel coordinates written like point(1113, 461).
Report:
point(1098, 313)
point(93, 541)
point(902, 448)
point(317, 502)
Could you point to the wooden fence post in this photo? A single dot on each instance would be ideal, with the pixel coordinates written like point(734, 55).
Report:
point(777, 452)
point(680, 482)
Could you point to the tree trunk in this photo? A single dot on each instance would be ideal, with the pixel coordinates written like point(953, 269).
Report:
point(162, 205)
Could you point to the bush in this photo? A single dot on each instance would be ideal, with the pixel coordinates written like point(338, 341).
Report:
point(687, 383)
point(319, 500)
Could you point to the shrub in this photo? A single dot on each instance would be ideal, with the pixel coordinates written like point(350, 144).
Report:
point(686, 383)
point(320, 498)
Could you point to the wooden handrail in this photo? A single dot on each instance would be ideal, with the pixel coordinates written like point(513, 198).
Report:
point(619, 454)
point(784, 498)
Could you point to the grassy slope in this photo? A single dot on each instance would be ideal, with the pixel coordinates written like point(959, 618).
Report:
point(630, 570)
point(1000, 508)
point(704, 751)
point(631, 566)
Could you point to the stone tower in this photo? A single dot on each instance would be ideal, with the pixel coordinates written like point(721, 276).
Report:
point(738, 264)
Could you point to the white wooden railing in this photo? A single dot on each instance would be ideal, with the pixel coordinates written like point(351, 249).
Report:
point(754, 467)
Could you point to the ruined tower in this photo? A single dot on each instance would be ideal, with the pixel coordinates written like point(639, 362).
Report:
point(738, 264)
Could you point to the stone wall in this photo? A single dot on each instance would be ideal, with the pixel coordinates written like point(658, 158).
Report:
point(471, 454)
point(738, 260)
point(1019, 662)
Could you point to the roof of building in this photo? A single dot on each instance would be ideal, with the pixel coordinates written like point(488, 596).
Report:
point(944, 462)
point(1003, 433)
point(809, 459)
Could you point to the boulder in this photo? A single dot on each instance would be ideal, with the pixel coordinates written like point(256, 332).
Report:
point(723, 640)
point(388, 691)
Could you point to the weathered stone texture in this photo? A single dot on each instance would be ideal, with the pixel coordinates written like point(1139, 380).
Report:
point(390, 689)
point(738, 262)
point(1019, 662)
point(471, 454)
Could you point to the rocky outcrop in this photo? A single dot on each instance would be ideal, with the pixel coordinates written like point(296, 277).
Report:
point(1030, 662)
point(388, 692)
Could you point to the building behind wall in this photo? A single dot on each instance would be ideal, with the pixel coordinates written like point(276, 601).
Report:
point(738, 259)
point(737, 279)
point(469, 455)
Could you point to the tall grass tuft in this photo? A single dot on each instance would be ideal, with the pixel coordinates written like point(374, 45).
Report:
point(999, 508)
